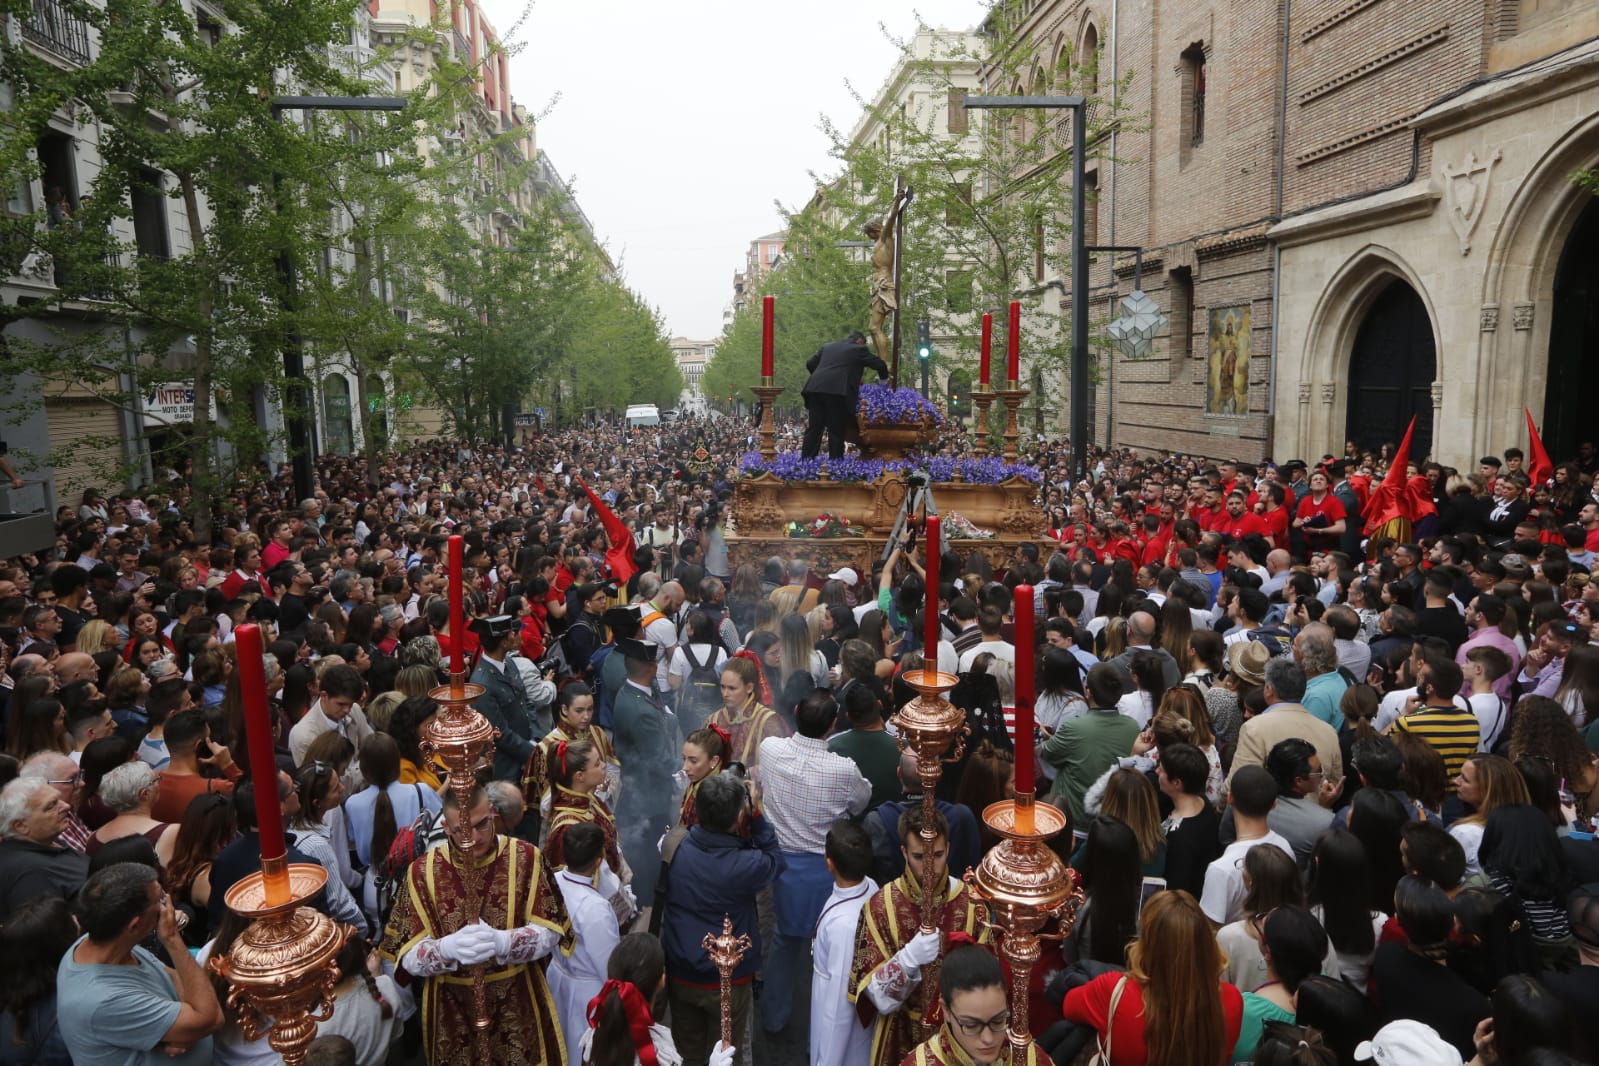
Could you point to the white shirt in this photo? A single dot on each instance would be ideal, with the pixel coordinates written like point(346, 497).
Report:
point(1223, 897)
point(807, 789)
point(1492, 713)
point(837, 1036)
point(578, 978)
point(1001, 649)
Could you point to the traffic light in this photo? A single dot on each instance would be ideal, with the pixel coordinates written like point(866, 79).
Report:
point(924, 340)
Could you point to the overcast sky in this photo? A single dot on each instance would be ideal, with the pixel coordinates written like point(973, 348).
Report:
point(681, 122)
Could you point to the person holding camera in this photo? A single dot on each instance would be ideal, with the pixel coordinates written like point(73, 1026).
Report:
point(723, 864)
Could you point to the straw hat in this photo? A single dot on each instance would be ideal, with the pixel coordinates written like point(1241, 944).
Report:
point(1247, 659)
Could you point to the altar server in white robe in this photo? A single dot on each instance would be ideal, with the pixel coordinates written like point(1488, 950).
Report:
point(837, 1036)
point(587, 885)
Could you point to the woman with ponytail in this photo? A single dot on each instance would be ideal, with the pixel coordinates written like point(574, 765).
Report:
point(746, 713)
point(622, 1027)
point(377, 812)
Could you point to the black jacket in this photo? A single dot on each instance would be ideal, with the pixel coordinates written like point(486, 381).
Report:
point(836, 370)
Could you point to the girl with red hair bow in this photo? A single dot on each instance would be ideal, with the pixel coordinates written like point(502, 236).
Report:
point(622, 1030)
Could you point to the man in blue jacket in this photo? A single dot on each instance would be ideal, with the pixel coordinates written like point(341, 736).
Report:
point(719, 869)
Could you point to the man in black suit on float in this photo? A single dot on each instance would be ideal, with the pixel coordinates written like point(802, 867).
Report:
point(833, 390)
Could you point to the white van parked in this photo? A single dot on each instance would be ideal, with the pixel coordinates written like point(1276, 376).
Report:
point(642, 414)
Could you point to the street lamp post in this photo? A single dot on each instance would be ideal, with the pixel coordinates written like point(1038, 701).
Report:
point(1079, 362)
point(296, 396)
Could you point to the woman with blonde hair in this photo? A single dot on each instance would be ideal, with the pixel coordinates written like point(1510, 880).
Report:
point(1485, 783)
point(1115, 635)
point(799, 652)
point(97, 636)
point(415, 681)
point(1171, 1005)
point(1128, 796)
point(1176, 632)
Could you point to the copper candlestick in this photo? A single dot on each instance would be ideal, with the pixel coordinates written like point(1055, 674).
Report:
point(283, 968)
point(767, 393)
point(1025, 886)
point(1012, 398)
point(726, 952)
point(929, 725)
point(983, 397)
point(461, 740)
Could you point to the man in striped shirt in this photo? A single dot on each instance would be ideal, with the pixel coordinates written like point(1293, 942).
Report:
point(1432, 715)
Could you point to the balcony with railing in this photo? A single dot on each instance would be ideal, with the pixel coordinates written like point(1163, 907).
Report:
point(53, 28)
point(463, 48)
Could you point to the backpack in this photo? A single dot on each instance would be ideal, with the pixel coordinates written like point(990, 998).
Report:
point(701, 694)
point(410, 843)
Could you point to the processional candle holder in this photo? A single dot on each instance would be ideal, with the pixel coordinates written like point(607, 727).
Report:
point(983, 397)
point(768, 393)
point(461, 740)
point(726, 951)
point(929, 726)
point(1012, 398)
point(282, 969)
point(1026, 887)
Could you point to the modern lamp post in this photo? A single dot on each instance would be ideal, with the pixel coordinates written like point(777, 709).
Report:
point(1079, 361)
point(297, 396)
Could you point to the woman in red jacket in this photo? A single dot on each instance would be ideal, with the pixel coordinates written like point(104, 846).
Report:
point(1171, 1005)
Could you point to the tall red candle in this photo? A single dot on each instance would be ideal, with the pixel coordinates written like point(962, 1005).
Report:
point(934, 545)
point(984, 372)
point(263, 754)
point(1023, 599)
point(1013, 355)
point(768, 333)
point(457, 607)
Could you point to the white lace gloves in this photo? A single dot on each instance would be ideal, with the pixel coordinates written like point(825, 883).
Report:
point(479, 943)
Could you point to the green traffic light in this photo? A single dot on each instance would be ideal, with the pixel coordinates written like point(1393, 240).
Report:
point(925, 352)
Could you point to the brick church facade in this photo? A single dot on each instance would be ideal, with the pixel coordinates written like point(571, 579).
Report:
point(1353, 211)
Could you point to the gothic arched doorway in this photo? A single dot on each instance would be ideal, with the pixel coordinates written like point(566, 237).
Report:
point(1573, 337)
point(1391, 372)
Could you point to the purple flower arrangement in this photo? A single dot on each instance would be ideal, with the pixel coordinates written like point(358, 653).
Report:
point(886, 405)
point(789, 466)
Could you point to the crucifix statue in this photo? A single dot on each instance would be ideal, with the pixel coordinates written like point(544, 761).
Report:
point(885, 236)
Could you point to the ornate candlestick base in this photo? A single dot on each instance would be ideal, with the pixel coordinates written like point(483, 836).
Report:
point(282, 969)
point(983, 397)
point(1025, 885)
point(768, 394)
point(1012, 398)
point(458, 738)
point(726, 952)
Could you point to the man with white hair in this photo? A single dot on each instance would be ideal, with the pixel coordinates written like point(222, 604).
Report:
point(61, 773)
point(32, 863)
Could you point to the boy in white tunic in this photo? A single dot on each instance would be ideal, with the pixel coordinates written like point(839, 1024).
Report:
point(576, 980)
point(837, 1036)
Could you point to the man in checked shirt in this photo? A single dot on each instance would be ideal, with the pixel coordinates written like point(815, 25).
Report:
point(806, 788)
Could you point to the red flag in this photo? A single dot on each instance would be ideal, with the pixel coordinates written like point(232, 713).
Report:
point(1539, 467)
point(1389, 499)
point(620, 556)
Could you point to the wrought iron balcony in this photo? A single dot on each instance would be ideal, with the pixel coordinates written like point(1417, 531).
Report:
point(55, 29)
point(463, 48)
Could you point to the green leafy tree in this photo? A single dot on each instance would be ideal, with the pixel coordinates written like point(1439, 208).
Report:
point(990, 221)
point(820, 287)
point(184, 122)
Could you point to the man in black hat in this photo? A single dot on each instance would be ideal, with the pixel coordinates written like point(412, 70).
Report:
point(611, 674)
point(504, 701)
point(833, 389)
point(647, 746)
